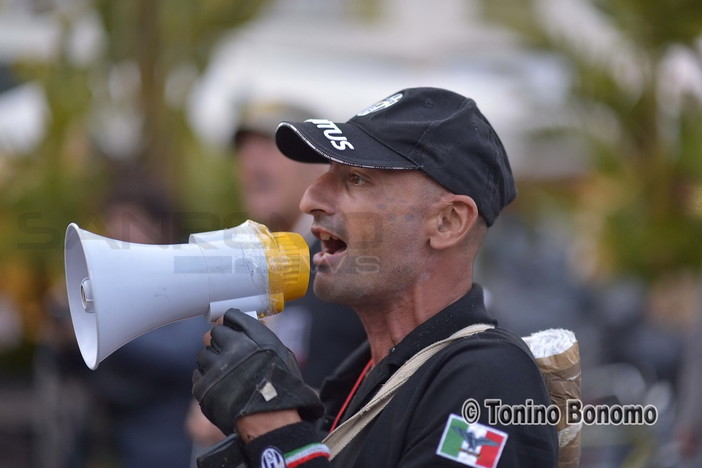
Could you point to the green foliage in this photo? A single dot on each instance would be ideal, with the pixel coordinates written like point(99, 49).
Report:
point(63, 179)
point(642, 198)
point(655, 24)
point(177, 31)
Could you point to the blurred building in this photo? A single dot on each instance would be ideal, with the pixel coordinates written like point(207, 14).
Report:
point(333, 55)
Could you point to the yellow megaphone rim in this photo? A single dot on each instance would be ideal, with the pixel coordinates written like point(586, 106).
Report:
point(288, 260)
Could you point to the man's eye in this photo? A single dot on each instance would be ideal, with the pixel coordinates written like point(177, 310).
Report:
point(355, 179)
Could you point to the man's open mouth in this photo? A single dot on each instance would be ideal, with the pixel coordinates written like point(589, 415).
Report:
point(331, 245)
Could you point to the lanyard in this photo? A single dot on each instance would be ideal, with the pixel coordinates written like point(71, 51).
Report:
point(351, 394)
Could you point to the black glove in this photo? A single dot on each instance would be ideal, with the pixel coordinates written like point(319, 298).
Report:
point(247, 370)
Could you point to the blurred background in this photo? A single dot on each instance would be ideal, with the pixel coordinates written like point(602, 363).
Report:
point(599, 104)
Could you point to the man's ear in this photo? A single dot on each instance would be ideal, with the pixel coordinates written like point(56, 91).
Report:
point(455, 216)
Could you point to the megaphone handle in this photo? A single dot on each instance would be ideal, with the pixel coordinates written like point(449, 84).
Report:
point(227, 452)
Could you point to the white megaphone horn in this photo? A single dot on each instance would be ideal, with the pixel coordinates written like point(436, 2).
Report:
point(119, 290)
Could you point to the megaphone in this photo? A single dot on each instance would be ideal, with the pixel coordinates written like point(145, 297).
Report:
point(120, 290)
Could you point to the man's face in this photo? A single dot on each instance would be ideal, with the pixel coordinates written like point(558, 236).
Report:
point(373, 225)
point(272, 184)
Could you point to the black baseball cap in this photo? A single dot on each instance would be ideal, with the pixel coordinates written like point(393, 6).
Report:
point(436, 131)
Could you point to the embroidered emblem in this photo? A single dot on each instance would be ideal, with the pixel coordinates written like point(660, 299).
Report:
point(272, 458)
point(384, 104)
point(473, 445)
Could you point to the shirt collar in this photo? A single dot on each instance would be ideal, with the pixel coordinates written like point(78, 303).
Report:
point(467, 310)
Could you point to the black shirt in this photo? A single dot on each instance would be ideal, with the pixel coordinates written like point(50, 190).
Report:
point(412, 428)
point(494, 364)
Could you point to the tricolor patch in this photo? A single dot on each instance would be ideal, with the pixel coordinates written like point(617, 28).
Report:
point(305, 454)
point(471, 444)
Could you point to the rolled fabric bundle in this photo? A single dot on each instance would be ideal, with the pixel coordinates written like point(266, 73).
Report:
point(558, 357)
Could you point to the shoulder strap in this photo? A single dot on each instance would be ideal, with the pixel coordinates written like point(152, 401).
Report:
point(342, 435)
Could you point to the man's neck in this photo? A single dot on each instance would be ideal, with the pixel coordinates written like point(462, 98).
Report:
point(389, 323)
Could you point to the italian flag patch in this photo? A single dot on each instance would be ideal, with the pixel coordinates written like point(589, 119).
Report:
point(471, 444)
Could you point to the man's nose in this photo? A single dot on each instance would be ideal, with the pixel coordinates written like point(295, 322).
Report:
point(318, 196)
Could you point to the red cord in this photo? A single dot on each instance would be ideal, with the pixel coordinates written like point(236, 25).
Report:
point(351, 394)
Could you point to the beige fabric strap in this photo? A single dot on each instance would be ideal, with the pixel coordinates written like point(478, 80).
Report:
point(342, 435)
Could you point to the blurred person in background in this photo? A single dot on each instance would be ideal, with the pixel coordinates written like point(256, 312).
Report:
point(138, 398)
point(688, 431)
point(320, 334)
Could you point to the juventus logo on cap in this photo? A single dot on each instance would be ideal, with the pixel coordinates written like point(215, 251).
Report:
point(384, 104)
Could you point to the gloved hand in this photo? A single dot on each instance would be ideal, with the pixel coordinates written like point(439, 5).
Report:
point(247, 370)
